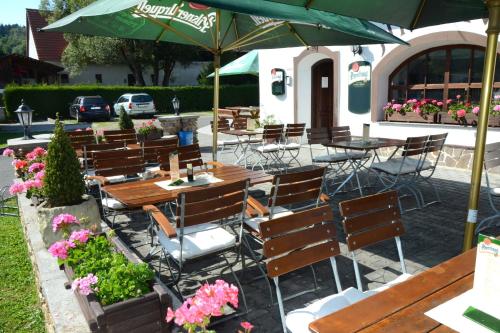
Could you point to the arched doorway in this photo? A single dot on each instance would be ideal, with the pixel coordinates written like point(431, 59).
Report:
point(322, 94)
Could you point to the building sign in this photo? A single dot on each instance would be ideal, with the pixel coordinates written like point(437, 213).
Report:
point(277, 81)
point(359, 87)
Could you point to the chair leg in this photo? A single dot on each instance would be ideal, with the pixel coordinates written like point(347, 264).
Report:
point(280, 303)
point(483, 225)
point(356, 272)
point(336, 274)
point(400, 253)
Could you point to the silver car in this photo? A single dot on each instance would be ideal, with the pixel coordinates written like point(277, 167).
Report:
point(135, 104)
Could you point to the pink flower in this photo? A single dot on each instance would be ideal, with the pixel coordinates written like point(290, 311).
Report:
point(84, 285)
point(475, 110)
point(8, 152)
point(32, 183)
point(496, 107)
point(461, 113)
point(37, 152)
point(82, 236)
point(170, 315)
point(397, 107)
point(88, 129)
point(496, 97)
point(40, 174)
point(439, 103)
point(448, 101)
point(60, 249)
point(418, 111)
point(246, 326)
point(459, 96)
point(434, 101)
point(62, 221)
point(35, 167)
point(16, 188)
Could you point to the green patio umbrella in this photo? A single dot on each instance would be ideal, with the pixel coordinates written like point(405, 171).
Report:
point(246, 64)
point(412, 14)
point(217, 30)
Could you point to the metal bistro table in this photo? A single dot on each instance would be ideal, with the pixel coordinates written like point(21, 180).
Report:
point(242, 144)
point(402, 307)
point(365, 145)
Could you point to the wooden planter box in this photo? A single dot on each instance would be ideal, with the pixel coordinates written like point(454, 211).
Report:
point(141, 314)
point(155, 135)
point(411, 117)
point(469, 119)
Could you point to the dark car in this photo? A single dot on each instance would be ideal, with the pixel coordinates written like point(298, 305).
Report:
point(88, 108)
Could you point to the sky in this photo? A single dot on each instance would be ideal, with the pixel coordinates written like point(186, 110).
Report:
point(14, 11)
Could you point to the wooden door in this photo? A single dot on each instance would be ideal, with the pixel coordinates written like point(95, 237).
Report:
point(322, 94)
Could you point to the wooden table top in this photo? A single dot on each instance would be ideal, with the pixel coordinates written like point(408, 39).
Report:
point(145, 192)
point(357, 143)
point(402, 307)
point(239, 132)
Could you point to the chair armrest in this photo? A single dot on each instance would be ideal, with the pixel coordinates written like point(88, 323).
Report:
point(101, 179)
point(251, 212)
point(161, 219)
point(161, 173)
point(215, 164)
point(261, 209)
point(324, 197)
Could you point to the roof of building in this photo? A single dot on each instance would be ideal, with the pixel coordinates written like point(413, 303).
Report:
point(49, 45)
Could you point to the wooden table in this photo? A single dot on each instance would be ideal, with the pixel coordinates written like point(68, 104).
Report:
point(145, 192)
point(402, 307)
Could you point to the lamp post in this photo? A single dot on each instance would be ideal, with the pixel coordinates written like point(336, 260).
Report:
point(176, 103)
point(25, 116)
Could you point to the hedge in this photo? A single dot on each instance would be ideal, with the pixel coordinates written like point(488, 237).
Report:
point(47, 100)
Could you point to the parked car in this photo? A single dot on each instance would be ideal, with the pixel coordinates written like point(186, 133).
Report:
point(89, 108)
point(135, 104)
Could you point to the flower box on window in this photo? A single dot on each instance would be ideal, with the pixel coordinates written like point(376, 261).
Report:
point(411, 117)
point(469, 119)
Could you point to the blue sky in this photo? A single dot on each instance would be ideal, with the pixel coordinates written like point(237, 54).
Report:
point(14, 11)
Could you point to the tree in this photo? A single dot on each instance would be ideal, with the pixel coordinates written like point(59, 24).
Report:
point(63, 182)
point(124, 121)
point(12, 39)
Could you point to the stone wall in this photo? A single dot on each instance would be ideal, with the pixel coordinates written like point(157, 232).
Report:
point(171, 125)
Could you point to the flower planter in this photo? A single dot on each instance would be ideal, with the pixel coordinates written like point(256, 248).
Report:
point(154, 135)
point(469, 119)
point(87, 210)
point(139, 314)
point(411, 117)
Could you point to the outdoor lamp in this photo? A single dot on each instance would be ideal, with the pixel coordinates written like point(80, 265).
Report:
point(25, 116)
point(176, 103)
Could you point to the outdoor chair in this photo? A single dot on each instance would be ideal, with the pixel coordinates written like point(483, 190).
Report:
point(369, 220)
point(296, 241)
point(491, 161)
point(89, 149)
point(126, 136)
point(268, 150)
point(293, 142)
point(79, 139)
point(208, 222)
point(232, 144)
point(150, 148)
point(402, 172)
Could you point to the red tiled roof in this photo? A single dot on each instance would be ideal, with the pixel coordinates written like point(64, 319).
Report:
point(49, 45)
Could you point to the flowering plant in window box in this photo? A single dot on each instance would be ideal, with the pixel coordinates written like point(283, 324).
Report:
point(148, 131)
point(413, 110)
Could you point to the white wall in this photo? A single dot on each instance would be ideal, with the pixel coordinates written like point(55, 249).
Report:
point(33, 53)
point(389, 56)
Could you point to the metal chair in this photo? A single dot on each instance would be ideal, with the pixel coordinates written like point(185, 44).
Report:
point(297, 241)
point(268, 150)
point(293, 142)
point(200, 229)
point(232, 144)
point(89, 149)
point(369, 220)
point(491, 161)
point(4, 208)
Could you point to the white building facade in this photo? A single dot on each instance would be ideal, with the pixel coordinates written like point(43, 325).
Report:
point(440, 63)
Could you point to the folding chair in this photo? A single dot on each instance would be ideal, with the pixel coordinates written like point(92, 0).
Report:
point(223, 125)
point(402, 172)
point(293, 142)
point(433, 149)
point(150, 150)
point(491, 160)
point(369, 220)
point(296, 241)
point(5, 209)
point(89, 149)
point(126, 136)
point(199, 231)
point(268, 147)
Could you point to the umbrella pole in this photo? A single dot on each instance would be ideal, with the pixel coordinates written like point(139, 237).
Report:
point(482, 127)
point(215, 123)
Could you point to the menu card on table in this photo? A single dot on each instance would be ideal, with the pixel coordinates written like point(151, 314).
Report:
point(174, 165)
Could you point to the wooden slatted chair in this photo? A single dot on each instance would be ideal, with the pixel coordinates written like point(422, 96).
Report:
point(369, 220)
point(491, 161)
point(296, 241)
point(232, 144)
point(79, 139)
point(293, 142)
point(402, 172)
point(268, 150)
point(199, 230)
point(187, 154)
point(126, 136)
point(150, 148)
point(89, 149)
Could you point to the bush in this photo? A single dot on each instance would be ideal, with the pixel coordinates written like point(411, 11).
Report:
point(125, 121)
point(63, 182)
point(47, 100)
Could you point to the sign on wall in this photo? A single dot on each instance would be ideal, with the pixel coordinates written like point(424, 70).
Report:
point(277, 81)
point(360, 87)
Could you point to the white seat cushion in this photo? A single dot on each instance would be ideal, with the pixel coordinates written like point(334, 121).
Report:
point(149, 169)
point(199, 240)
point(110, 179)
point(227, 142)
point(112, 203)
point(339, 157)
point(255, 221)
point(290, 146)
point(393, 166)
point(399, 279)
point(297, 321)
point(268, 148)
point(495, 191)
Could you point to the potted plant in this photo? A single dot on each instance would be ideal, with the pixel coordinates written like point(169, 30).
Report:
point(148, 131)
point(64, 188)
point(494, 112)
point(124, 121)
point(253, 120)
point(413, 110)
point(115, 290)
point(459, 112)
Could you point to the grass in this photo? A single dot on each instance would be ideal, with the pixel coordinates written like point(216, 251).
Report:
point(20, 309)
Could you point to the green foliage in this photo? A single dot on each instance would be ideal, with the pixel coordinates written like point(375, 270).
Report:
point(125, 121)
point(118, 279)
point(20, 309)
point(63, 182)
point(47, 100)
point(12, 39)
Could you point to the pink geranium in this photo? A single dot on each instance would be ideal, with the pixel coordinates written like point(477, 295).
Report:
point(397, 107)
point(475, 110)
point(40, 174)
point(85, 285)
point(448, 101)
point(459, 96)
point(35, 167)
point(8, 152)
point(439, 103)
point(62, 221)
point(246, 326)
point(16, 188)
point(461, 113)
point(82, 236)
point(60, 249)
point(36, 153)
point(32, 183)
point(496, 107)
